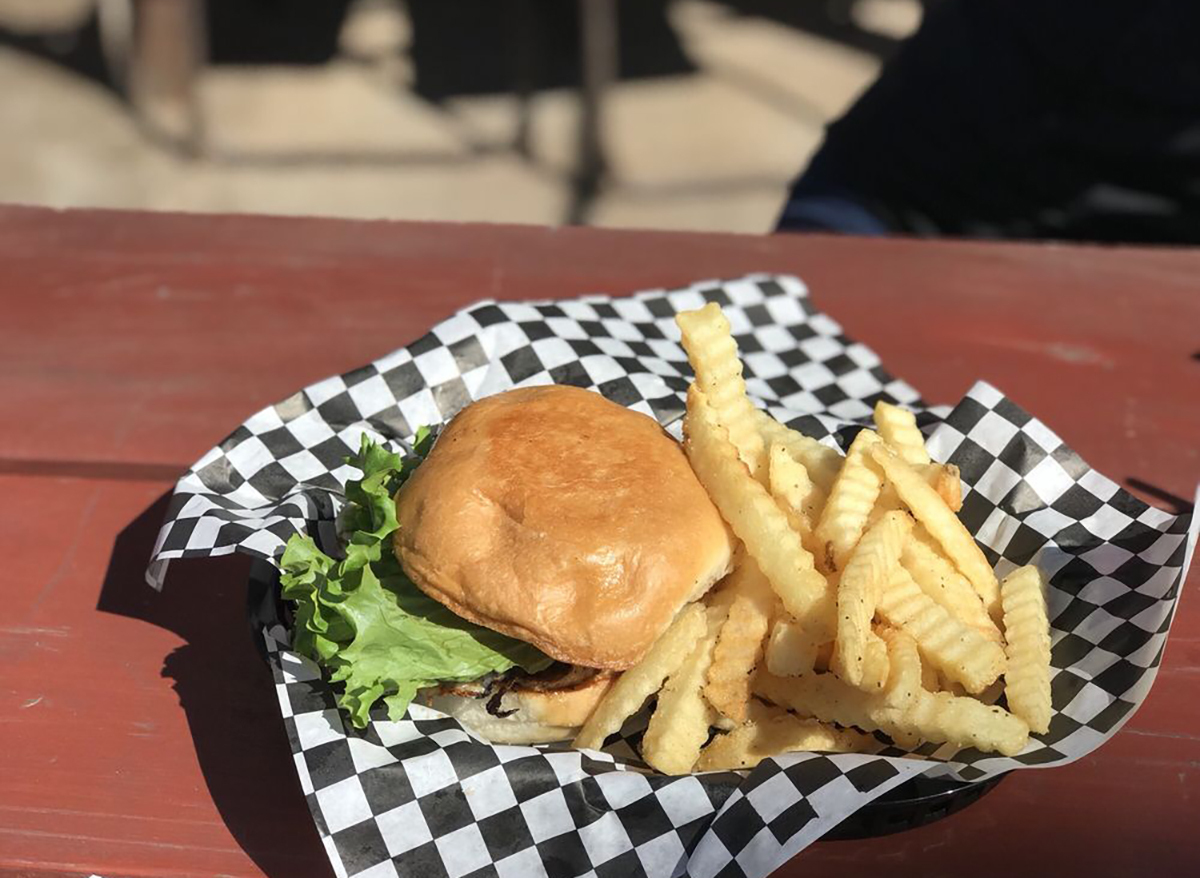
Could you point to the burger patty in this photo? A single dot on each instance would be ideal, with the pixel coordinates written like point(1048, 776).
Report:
point(558, 677)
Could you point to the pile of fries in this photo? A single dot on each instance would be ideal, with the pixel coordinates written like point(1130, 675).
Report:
point(859, 606)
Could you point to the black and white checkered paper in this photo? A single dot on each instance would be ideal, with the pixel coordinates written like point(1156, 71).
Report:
point(423, 797)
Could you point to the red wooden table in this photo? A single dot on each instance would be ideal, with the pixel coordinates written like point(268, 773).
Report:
point(138, 731)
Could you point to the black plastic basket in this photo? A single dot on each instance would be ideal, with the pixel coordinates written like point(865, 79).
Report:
point(916, 802)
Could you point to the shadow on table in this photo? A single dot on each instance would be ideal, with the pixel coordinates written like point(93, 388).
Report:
point(1175, 504)
point(226, 692)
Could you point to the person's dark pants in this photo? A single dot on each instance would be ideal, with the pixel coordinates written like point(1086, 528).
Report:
point(1069, 119)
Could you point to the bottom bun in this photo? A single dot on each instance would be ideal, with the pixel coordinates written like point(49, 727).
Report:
point(536, 717)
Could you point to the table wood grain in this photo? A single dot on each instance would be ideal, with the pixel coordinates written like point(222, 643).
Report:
point(138, 731)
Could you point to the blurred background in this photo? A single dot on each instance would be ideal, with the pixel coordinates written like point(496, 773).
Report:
point(679, 114)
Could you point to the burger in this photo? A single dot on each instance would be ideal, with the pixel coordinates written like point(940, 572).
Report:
point(565, 521)
point(507, 573)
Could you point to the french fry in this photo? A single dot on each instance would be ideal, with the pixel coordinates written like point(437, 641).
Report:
point(827, 698)
point(930, 678)
point(876, 665)
point(740, 642)
point(937, 717)
point(898, 428)
point(948, 588)
point(850, 502)
point(714, 357)
point(941, 717)
point(957, 650)
point(772, 731)
point(793, 490)
point(888, 501)
point(790, 650)
point(1027, 629)
point(913, 713)
point(859, 590)
point(756, 519)
point(681, 720)
point(638, 683)
point(821, 462)
point(904, 678)
point(746, 579)
point(943, 478)
point(942, 524)
point(947, 481)
point(904, 737)
point(822, 696)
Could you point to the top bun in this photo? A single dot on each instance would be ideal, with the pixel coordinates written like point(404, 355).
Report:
point(562, 519)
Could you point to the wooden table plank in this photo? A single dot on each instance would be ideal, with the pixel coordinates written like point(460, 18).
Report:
point(141, 733)
point(1087, 338)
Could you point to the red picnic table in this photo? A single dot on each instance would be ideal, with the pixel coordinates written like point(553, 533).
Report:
point(141, 733)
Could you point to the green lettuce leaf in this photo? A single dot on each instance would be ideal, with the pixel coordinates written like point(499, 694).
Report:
point(363, 620)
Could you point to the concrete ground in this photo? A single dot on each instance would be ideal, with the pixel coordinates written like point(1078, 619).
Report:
point(713, 149)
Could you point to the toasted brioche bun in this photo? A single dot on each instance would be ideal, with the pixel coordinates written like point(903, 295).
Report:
point(539, 717)
point(564, 520)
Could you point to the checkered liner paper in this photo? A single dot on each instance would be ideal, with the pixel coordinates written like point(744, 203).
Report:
point(423, 797)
